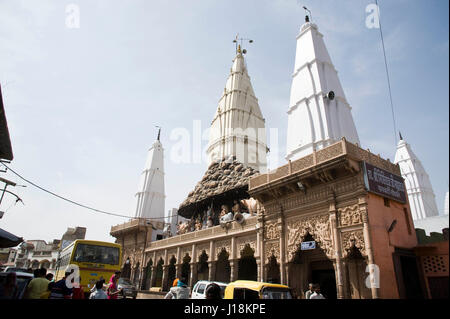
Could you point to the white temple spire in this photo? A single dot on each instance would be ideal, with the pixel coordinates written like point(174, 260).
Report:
point(150, 195)
point(421, 197)
point(316, 118)
point(238, 127)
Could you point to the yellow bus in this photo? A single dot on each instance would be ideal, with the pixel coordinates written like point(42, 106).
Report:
point(96, 260)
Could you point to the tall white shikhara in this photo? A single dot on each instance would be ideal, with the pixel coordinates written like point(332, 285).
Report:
point(316, 121)
point(238, 127)
point(150, 195)
point(418, 186)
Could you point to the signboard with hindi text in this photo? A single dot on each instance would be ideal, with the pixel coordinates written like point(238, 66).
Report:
point(308, 245)
point(384, 183)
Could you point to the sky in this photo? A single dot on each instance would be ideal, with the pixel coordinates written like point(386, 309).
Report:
point(83, 96)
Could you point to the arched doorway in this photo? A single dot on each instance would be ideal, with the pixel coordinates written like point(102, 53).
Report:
point(247, 268)
point(312, 266)
point(147, 275)
point(35, 264)
point(159, 273)
point(202, 267)
point(126, 269)
point(355, 270)
point(172, 271)
point(186, 268)
point(273, 270)
point(223, 269)
point(45, 264)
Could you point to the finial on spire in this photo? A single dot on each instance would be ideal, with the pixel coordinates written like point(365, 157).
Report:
point(159, 132)
point(307, 16)
point(400, 133)
point(239, 46)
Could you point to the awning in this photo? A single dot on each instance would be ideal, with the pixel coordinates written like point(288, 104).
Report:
point(8, 239)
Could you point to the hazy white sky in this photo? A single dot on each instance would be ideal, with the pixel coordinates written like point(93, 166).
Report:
point(82, 103)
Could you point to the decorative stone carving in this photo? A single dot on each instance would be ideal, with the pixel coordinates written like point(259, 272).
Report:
point(272, 249)
point(224, 244)
point(349, 216)
point(272, 230)
point(317, 226)
point(247, 241)
point(353, 239)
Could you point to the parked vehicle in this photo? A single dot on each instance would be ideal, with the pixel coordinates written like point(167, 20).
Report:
point(128, 288)
point(198, 292)
point(246, 289)
point(15, 269)
point(22, 281)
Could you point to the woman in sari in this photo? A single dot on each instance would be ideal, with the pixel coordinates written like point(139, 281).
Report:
point(112, 291)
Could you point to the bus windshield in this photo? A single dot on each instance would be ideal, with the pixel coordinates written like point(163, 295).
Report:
point(96, 254)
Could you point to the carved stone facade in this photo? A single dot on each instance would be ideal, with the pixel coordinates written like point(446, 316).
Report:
point(325, 202)
point(317, 226)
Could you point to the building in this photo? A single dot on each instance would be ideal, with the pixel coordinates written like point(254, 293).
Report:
point(41, 254)
point(334, 214)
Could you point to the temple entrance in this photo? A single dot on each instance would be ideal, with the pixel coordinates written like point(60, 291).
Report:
point(247, 268)
point(322, 273)
point(172, 271)
point(273, 271)
point(202, 267)
point(159, 273)
point(186, 268)
point(223, 269)
point(312, 266)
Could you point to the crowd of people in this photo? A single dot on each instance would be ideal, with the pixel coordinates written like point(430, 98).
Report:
point(44, 286)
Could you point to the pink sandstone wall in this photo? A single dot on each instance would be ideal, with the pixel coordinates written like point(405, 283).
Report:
point(383, 243)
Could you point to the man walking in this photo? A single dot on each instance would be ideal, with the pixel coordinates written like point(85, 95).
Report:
point(317, 294)
point(37, 285)
point(310, 291)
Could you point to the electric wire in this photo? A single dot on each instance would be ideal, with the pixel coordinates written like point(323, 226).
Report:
point(387, 73)
point(79, 204)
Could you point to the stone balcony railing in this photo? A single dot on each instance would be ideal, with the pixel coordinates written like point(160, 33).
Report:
point(205, 234)
point(334, 151)
point(136, 223)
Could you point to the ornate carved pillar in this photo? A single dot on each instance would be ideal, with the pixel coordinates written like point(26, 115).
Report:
point(193, 277)
point(212, 256)
point(211, 270)
point(283, 278)
point(259, 266)
point(153, 276)
point(368, 243)
point(260, 244)
point(165, 277)
point(337, 250)
point(234, 269)
point(178, 270)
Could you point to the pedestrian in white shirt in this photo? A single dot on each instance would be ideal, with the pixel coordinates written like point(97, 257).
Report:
point(316, 294)
point(99, 293)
